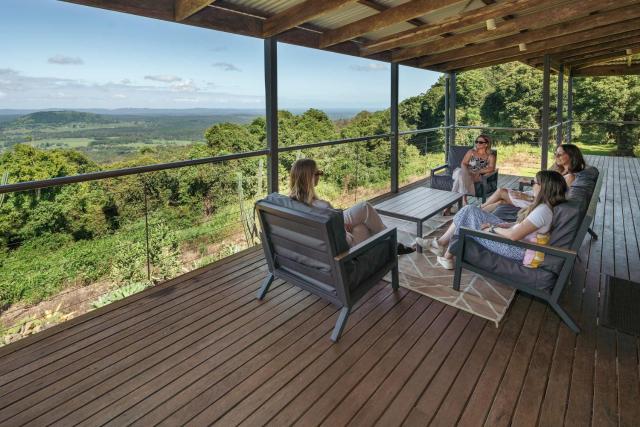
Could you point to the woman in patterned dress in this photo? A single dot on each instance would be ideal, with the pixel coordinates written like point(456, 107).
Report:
point(475, 163)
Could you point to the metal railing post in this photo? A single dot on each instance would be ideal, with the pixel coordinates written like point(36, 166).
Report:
point(394, 127)
point(544, 125)
point(446, 118)
point(569, 107)
point(452, 108)
point(271, 99)
point(560, 106)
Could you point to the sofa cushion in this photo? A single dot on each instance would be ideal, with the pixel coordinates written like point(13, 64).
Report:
point(564, 228)
point(507, 213)
point(539, 278)
point(583, 186)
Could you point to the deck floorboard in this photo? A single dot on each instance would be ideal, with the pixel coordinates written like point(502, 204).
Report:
point(201, 349)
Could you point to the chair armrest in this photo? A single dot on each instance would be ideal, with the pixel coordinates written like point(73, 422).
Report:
point(439, 168)
point(486, 176)
point(547, 249)
point(363, 247)
point(522, 183)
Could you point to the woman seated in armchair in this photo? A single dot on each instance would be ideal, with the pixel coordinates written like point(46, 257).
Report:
point(475, 163)
point(569, 161)
point(549, 190)
point(361, 221)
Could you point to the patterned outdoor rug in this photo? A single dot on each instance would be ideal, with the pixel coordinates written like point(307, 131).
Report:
point(422, 273)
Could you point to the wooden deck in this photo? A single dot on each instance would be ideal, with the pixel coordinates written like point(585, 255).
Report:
point(202, 350)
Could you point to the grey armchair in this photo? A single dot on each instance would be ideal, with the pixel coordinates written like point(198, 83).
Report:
point(441, 177)
point(307, 247)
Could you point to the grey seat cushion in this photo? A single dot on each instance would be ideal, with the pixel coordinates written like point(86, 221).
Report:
point(507, 213)
point(566, 221)
point(363, 266)
point(478, 255)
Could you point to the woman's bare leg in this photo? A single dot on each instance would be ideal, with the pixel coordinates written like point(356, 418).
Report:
point(501, 195)
point(446, 237)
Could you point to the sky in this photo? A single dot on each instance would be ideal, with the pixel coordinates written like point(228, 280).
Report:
point(60, 55)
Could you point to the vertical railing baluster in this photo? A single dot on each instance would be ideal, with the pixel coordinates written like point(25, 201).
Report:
point(355, 193)
point(146, 229)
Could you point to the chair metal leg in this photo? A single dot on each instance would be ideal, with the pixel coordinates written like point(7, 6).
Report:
point(340, 324)
point(395, 280)
point(457, 276)
point(264, 288)
point(592, 233)
point(565, 317)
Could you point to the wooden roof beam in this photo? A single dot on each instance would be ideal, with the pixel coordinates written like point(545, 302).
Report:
point(299, 14)
point(608, 70)
point(531, 22)
point(391, 16)
point(555, 36)
point(449, 25)
point(556, 44)
point(371, 4)
point(595, 42)
point(185, 8)
point(607, 56)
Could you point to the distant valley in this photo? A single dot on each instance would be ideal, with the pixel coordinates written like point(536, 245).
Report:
point(106, 136)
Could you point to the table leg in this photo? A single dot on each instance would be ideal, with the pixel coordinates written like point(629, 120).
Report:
point(459, 204)
point(419, 234)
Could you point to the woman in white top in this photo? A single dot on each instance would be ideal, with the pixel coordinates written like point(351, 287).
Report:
point(361, 221)
point(569, 161)
point(549, 190)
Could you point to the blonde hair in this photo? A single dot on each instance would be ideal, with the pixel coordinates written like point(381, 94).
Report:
point(301, 181)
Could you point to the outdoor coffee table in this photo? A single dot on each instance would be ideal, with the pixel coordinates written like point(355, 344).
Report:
point(418, 205)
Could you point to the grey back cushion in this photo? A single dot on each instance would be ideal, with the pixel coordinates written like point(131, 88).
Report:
point(583, 186)
point(335, 224)
point(457, 153)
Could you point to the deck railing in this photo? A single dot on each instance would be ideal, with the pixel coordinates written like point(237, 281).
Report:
point(160, 226)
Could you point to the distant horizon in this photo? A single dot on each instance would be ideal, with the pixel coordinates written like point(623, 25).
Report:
point(10, 111)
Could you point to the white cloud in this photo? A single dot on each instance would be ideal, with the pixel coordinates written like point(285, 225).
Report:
point(125, 82)
point(24, 91)
point(184, 86)
point(372, 66)
point(225, 66)
point(164, 78)
point(65, 60)
point(2, 94)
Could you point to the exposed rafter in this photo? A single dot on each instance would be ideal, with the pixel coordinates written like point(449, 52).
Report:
point(452, 24)
point(510, 29)
point(372, 4)
point(554, 45)
point(602, 57)
point(404, 12)
point(186, 8)
point(608, 70)
point(559, 44)
point(506, 49)
point(299, 14)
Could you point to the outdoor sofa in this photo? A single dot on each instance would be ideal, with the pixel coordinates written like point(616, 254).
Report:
point(571, 221)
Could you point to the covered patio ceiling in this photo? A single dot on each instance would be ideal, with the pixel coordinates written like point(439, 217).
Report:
point(438, 35)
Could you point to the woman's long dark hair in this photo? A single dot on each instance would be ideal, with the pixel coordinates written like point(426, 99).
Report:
point(576, 160)
point(553, 189)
